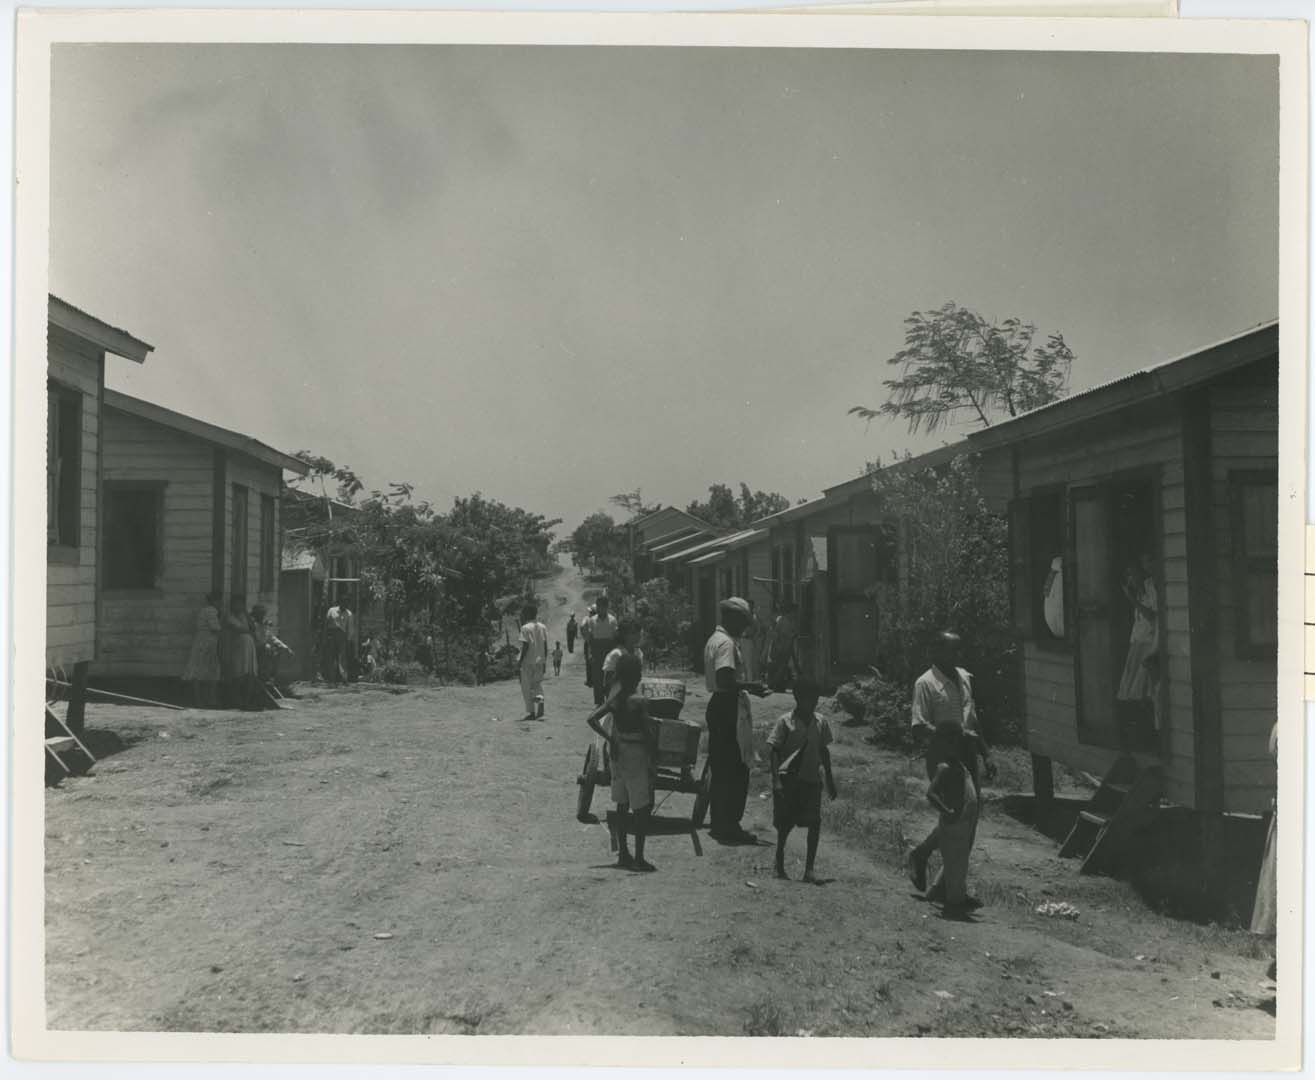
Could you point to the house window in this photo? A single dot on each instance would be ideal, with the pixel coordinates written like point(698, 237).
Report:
point(63, 466)
point(134, 516)
point(1254, 498)
point(268, 545)
point(238, 586)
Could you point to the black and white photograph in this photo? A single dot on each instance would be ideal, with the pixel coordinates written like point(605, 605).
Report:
point(639, 539)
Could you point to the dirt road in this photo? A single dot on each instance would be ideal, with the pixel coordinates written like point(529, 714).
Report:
point(410, 862)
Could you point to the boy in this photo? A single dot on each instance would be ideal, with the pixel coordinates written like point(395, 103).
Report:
point(628, 637)
point(632, 738)
point(533, 659)
point(954, 794)
point(800, 755)
point(557, 659)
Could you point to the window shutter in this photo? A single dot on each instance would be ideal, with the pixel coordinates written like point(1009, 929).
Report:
point(1021, 607)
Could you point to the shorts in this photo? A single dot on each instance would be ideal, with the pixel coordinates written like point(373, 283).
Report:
point(798, 803)
point(632, 780)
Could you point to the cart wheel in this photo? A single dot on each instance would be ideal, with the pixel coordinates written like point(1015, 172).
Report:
point(704, 797)
point(586, 781)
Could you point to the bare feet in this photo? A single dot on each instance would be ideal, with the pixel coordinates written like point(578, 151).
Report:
point(781, 875)
point(644, 866)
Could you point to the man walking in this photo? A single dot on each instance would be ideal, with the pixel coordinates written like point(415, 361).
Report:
point(534, 658)
point(600, 633)
point(730, 723)
point(572, 628)
point(943, 695)
point(335, 641)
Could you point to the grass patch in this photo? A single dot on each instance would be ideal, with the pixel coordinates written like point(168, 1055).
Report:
point(766, 1019)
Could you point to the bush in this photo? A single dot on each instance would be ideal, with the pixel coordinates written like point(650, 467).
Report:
point(884, 705)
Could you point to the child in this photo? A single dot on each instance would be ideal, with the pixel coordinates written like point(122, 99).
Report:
point(557, 659)
point(954, 794)
point(632, 738)
point(800, 755)
point(628, 636)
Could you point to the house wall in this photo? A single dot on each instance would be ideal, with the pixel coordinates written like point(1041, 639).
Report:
point(1087, 454)
point(148, 632)
point(71, 581)
point(1244, 436)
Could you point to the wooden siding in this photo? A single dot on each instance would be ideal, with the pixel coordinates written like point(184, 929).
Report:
point(71, 585)
point(149, 632)
point(1084, 456)
point(1245, 437)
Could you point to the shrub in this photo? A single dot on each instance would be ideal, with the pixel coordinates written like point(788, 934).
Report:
point(884, 705)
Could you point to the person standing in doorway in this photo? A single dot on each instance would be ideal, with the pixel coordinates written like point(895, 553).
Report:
point(727, 716)
point(533, 659)
point(572, 628)
point(943, 695)
point(335, 642)
point(240, 655)
point(780, 660)
point(601, 634)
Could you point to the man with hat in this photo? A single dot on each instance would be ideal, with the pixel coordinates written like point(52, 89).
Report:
point(730, 723)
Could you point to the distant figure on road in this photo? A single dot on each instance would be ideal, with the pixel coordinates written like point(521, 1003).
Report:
point(600, 633)
point(572, 628)
point(730, 724)
point(557, 659)
point(481, 665)
point(533, 659)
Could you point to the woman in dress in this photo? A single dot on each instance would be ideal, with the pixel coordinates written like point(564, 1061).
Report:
point(202, 671)
point(240, 655)
point(1141, 669)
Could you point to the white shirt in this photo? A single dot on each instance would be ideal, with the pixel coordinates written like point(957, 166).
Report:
point(613, 658)
point(939, 699)
point(599, 628)
point(535, 634)
point(337, 617)
point(722, 651)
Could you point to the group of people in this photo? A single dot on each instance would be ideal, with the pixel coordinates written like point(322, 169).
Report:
point(944, 718)
point(234, 655)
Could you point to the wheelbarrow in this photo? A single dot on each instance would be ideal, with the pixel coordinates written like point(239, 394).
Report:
point(678, 753)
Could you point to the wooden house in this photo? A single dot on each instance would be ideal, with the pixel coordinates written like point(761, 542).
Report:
point(1177, 464)
point(658, 530)
point(189, 507)
point(76, 347)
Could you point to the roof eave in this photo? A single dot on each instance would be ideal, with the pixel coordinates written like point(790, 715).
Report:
point(101, 334)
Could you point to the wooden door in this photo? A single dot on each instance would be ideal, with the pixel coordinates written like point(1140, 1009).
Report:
point(853, 564)
point(1091, 556)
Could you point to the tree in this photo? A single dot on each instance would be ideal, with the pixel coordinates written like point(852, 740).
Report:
point(596, 540)
point(632, 503)
point(955, 361)
point(723, 510)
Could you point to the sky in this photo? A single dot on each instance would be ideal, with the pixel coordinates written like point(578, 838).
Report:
point(555, 274)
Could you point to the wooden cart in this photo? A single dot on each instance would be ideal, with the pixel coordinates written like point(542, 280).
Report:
point(678, 752)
